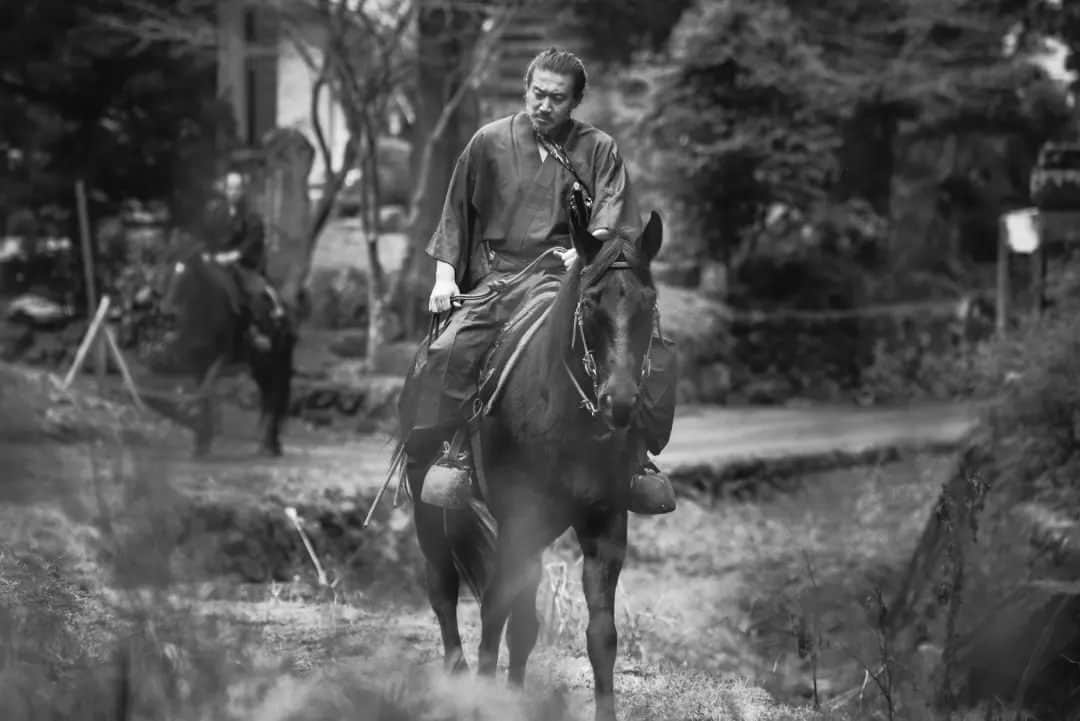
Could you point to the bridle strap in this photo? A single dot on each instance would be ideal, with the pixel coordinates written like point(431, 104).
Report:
point(586, 402)
point(578, 331)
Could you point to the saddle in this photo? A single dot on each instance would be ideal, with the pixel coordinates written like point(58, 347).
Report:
point(510, 345)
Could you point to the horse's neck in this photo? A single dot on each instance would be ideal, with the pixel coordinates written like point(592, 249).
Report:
point(541, 402)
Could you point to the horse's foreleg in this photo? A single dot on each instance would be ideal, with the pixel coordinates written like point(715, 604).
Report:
point(273, 376)
point(524, 626)
point(206, 408)
point(603, 545)
point(274, 408)
point(494, 610)
point(522, 537)
point(204, 426)
point(442, 582)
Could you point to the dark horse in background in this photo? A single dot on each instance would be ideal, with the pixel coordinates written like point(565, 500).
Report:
point(555, 453)
point(210, 319)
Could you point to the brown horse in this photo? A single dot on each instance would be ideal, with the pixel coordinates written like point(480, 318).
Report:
point(203, 300)
point(557, 453)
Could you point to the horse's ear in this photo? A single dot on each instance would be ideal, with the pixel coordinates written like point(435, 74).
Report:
point(652, 236)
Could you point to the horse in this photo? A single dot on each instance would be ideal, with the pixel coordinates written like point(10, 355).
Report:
point(201, 298)
point(555, 452)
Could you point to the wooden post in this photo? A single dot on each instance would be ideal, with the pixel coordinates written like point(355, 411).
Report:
point(87, 341)
point(86, 243)
point(100, 335)
point(1001, 307)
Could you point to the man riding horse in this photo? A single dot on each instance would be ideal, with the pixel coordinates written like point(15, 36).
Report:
point(506, 212)
point(237, 235)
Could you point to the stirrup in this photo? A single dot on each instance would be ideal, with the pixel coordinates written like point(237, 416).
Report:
point(448, 483)
point(651, 492)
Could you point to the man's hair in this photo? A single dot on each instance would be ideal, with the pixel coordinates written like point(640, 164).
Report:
point(561, 62)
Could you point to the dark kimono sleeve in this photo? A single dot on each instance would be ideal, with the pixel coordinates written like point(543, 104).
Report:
point(452, 241)
point(615, 203)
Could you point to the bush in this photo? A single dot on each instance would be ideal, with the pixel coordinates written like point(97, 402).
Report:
point(993, 582)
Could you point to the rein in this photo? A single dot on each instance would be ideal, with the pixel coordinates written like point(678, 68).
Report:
point(589, 274)
point(494, 289)
point(500, 285)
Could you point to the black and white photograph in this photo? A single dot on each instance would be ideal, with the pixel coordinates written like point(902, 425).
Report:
point(539, 360)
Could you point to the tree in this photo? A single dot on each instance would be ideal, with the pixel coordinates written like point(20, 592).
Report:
point(366, 58)
point(79, 100)
point(802, 103)
point(615, 31)
point(362, 54)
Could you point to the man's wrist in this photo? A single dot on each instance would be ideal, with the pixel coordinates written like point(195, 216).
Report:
point(444, 272)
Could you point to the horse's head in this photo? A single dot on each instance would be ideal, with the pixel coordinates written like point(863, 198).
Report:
point(182, 281)
point(194, 308)
point(615, 316)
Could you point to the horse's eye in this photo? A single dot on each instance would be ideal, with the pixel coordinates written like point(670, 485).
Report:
point(179, 268)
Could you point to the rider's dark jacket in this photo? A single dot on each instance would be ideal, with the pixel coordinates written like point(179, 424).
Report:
point(237, 227)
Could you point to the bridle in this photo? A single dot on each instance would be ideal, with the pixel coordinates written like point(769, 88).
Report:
point(609, 260)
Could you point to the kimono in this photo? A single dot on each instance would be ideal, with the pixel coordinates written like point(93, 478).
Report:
point(239, 229)
point(504, 207)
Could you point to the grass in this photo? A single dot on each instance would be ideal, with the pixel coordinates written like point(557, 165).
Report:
point(97, 622)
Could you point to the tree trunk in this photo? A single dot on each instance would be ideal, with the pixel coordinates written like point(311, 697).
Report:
point(446, 39)
point(867, 157)
point(378, 309)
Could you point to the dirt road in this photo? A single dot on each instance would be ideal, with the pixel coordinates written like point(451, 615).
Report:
point(701, 436)
point(718, 435)
point(700, 590)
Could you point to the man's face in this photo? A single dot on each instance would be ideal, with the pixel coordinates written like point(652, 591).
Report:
point(549, 100)
point(234, 187)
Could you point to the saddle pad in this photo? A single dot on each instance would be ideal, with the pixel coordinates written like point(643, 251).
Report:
point(511, 342)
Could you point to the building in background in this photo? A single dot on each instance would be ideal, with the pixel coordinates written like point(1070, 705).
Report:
point(269, 84)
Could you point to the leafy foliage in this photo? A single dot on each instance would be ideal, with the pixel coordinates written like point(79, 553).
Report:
point(81, 100)
point(781, 102)
point(618, 29)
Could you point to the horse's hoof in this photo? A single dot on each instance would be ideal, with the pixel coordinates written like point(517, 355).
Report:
point(456, 666)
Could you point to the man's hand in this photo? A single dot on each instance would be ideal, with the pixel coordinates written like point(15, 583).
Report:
point(444, 289)
point(569, 255)
point(441, 293)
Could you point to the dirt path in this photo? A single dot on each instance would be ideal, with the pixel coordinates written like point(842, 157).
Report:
point(700, 436)
point(698, 588)
point(719, 435)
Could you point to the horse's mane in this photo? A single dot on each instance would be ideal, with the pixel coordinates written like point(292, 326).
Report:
point(560, 321)
point(556, 336)
point(183, 247)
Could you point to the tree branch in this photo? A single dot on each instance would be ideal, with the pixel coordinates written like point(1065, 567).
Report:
point(316, 121)
point(484, 52)
point(331, 189)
